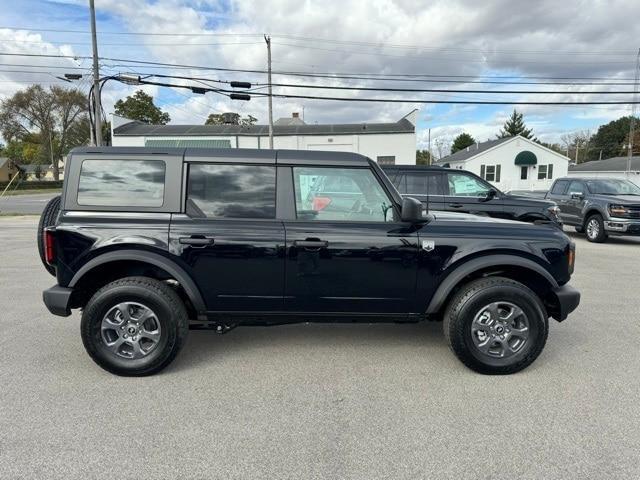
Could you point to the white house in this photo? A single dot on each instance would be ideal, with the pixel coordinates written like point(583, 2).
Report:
point(615, 167)
point(388, 143)
point(511, 163)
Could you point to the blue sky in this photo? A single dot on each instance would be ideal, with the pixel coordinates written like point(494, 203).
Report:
point(461, 37)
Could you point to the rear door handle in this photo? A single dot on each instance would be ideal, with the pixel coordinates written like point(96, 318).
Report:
point(456, 205)
point(311, 243)
point(196, 241)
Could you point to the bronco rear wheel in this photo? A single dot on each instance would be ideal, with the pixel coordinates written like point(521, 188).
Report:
point(134, 326)
point(496, 325)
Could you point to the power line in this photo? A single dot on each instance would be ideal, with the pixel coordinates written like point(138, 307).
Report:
point(287, 73)
point(334, 41)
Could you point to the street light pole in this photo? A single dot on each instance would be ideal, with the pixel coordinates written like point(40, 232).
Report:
point(268, 40)
point(96, 78)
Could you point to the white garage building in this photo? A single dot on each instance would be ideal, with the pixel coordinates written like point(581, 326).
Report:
point(387, 143)
point(511, 163)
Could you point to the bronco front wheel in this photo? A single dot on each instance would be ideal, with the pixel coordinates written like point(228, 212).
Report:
point(134, 326)
point(496, 325)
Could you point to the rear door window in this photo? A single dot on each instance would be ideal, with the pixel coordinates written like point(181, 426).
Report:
point(122, 183)
point(233, 191)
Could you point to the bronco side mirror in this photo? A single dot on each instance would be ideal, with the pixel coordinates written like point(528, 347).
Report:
point(412, 210)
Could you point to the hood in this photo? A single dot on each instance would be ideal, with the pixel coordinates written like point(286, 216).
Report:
point(468, 217)
point(624, 199)
point(527, 201)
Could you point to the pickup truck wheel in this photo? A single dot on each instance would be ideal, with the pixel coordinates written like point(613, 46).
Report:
point(594, 227)
point(47, 219)
point(496, 326)
point(134, 326)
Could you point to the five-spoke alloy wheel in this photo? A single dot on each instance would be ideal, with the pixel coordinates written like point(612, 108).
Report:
point(134, 326)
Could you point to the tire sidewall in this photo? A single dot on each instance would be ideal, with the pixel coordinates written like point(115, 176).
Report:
point(462, 315)
point(104, 301)
point(601, 233)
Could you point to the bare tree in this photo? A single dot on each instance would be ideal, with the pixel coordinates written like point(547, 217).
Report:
point(48, 115)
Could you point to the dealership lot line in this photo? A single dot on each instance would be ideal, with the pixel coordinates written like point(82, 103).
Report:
point(322, 401)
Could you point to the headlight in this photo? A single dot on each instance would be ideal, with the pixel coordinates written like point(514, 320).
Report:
point(554, 210)
point(618, 210)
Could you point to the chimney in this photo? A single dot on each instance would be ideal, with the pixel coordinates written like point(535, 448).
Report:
point(295, 115)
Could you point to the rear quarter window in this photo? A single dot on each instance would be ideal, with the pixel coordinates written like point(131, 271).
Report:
point(122, 183)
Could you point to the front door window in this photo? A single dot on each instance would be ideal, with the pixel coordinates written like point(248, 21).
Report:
point(461, 185)
point(340, 194)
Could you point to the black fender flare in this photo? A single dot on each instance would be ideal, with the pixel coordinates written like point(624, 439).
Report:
point(155, 259)
point(467, 268)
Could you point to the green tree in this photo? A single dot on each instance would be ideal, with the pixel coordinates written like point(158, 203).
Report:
point(515, 126)
point(231, 117)
point(41, 117)
point(612, 139)
point(140, 106)
point(462, 141)
point(423, 157)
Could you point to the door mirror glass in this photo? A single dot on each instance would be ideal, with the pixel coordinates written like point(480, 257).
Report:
point(412, 210)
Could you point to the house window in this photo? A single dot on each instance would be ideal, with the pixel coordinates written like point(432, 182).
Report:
point(524, 172)
point(386, 160)
point(490, 173)
point(545, 172)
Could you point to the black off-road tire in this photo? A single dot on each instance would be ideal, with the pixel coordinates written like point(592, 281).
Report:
point(601, 235)
point(470, 300)
point(157, 296)
point(47, 219)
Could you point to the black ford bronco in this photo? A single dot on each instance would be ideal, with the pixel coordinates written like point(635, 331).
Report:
point(152, 242)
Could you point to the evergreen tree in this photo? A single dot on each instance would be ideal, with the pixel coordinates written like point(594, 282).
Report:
point(461, 142)
point(515, 126)
point(423, 157)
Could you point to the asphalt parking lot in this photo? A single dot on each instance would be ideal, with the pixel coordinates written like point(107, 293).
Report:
point(28, 204)
point(323, 401)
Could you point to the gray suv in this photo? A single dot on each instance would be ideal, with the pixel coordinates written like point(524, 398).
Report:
point(598, 206)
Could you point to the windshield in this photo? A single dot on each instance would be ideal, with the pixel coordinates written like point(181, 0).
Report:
point(613, 187)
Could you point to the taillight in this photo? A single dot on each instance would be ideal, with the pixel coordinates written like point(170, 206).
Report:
point(320, 203)
point(49, 247)
point(572, 258)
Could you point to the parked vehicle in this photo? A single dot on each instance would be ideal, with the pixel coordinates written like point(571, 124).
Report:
point(599, 207)
point(455, 190)
point(150, 242)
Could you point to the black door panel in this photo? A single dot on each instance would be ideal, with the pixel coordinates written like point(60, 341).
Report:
point(350, 267)
point(238, 265)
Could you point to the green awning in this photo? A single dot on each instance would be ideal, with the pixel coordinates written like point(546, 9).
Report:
point(526, 158)
point(184, 143)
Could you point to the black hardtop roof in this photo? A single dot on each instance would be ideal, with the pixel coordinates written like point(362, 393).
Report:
point(236, 155)
point(435, 168)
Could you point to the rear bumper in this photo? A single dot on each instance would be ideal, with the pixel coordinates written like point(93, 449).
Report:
point(57, 299)
point(566, 301)
point(622, 226)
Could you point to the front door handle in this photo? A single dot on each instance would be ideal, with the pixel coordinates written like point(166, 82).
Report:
point(196, 241)
point(311, 244)
point(456, 205)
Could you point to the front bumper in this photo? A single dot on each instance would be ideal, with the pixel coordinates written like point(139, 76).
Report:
point(622, 226)
point(57, 299)
point(565, 300)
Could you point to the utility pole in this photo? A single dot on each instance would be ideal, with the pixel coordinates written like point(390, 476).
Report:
point(430, 157)
point(632, 123)
point(268, 40)
point(97, 117)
